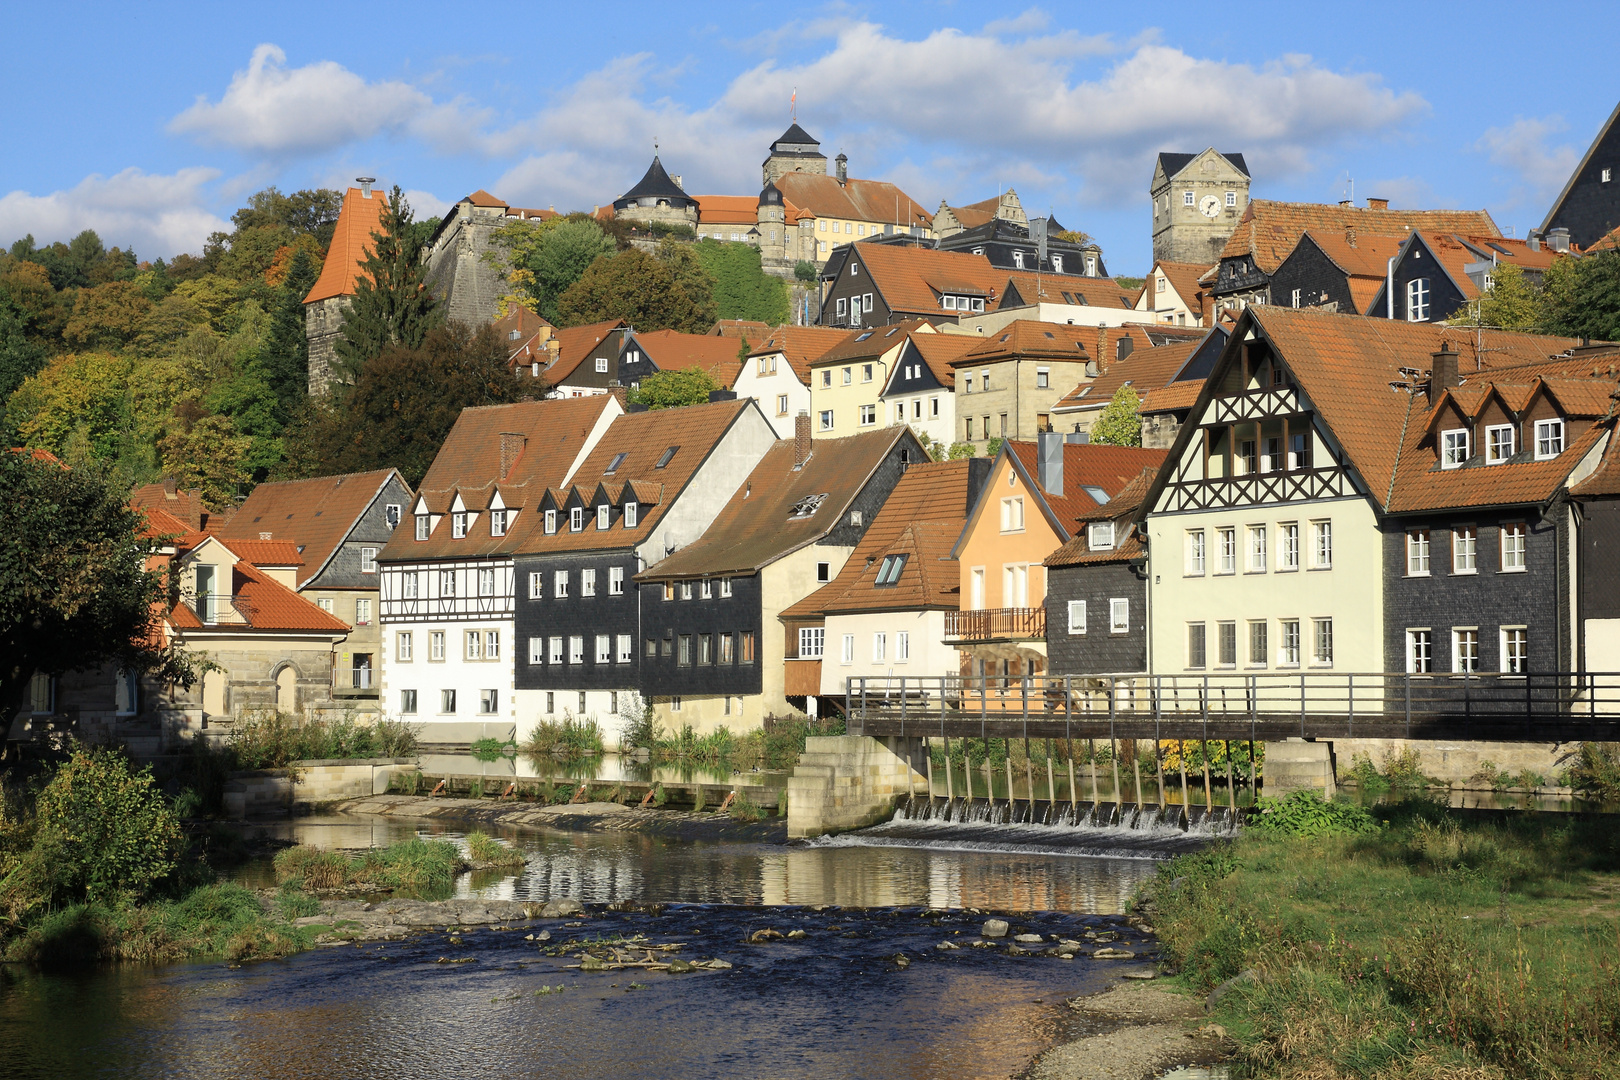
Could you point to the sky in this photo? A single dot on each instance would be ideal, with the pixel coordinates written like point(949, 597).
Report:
point(152, 122)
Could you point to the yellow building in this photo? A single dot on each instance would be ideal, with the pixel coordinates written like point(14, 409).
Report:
point(847, 383)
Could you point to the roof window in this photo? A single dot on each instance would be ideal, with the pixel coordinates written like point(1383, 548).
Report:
point(618, 459)
point(807, 506)
point(664, 458)
point(889, 573)
point(1098, 495)
point(864, 336)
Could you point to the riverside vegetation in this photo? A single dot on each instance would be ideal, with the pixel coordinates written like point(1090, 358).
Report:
point(1408, 941)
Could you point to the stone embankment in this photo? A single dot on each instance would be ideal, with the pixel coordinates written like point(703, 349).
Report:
point(578, 817)
point(1133, 1031)
point(352, 920)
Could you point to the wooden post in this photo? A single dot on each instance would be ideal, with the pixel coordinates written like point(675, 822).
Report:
point(1029, 780)
point(1209, 800)
point(1072, 799)
point(1158, 761)
point(1051, 782)
point(1136, 768)
point(1009, 782)
point(950, 795)
point(1091, 748)
point(929, 750)
point(1114, 751)
point(1186, 796)
point(1254, 771)
point(989, 778)
point(967, 770)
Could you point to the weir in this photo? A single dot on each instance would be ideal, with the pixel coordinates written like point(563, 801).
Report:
point(1077, 815)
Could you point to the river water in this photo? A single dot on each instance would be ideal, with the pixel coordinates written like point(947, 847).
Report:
point(836, 1004)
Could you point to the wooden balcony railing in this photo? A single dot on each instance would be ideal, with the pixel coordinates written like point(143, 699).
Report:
point(995, 624)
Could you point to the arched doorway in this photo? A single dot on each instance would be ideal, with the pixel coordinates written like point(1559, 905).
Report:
point(287, 690)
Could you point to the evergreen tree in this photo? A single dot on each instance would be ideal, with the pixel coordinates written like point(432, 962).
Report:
point(1119, 425)
point(391, 303)
point(285, 360)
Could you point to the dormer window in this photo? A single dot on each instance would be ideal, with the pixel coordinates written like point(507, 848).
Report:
point(1453, 448)
point(604, 516)
point(888, 574)
point(551, 522)
point(424, 526)
point(576, 519)
point(1549, 439)
point(631, 510)
point(497, 523)
point(1100, 536)
point(458, 524)
point(807, 506)
point(1498, 443)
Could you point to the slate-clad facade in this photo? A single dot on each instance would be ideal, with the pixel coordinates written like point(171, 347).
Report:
point(1096, 644)
point(1589, 205)
point(703, 639)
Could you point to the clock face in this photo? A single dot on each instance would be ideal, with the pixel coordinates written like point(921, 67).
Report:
point(1210, 206)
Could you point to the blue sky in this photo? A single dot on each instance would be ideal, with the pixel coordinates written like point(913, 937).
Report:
point(150, 122)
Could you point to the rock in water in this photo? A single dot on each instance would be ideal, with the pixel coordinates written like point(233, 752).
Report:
point(760, 937)
point(946, 946)
point(680, 967)
point(796, 935)
point(561, 908)
point(717, 965)
point(544, 935)
point(994, 928)
point(1114, 954)
point(1139, 975)
point(1029, 939)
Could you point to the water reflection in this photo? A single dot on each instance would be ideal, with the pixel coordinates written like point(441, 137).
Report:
point(603, 768)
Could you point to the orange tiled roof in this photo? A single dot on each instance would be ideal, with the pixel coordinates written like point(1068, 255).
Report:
point(159, 522)
point(1028, 338)
point(727, 210)
point(857, 200)
point(351, 242)
point(266, 604)
point(574, 344)
point(940, 351)
point(1184, 279)
point(1111, 468)
point(1034, 288)
point(1269, 230)
point(1605, 479)
point(1146, 368)
point(183, 504)
point(671, 350)
point(1172, 398)
point(912, 279)
point(802, 346)
point(922, 518)
point(316, 515)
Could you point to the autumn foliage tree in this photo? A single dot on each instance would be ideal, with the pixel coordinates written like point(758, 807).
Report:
point(1118, 424)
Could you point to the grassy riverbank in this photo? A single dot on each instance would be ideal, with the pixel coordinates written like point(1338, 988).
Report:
point(1426, 943)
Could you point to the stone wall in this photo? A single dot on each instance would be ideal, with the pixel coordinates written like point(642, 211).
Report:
point(323, 324)
point(846, 782)
point(466, 283)
point(278, 791)
point(1457, 760)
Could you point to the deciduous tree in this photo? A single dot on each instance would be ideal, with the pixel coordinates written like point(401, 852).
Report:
point(742, 288)
point(638, 288)
point(1119, 425)
point(672, 389)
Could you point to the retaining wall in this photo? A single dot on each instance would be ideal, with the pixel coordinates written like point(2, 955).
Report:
point(846, 782)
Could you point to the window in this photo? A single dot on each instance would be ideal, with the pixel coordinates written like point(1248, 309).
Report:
point(409, 581)
point(576, 519)
point(1018, 262)
point(725, 587)
point(811, 641)
point(868, 415)
point(407, 702)
point(447, 701)
point(848, 655)
point(1513, 542)
point(1100, 536)
point(666, 457)
point(587, 582)
point(1453, 448)
point(604, 648)
point(1197, 656)
point(1323, 634)
point(880, 648)
point(551, 522)
point(537, 650)
point(1322, 545)
point(576, 649)
point(902, 647)
point(368, 560)
point(497, 523)
point(826, 419)
point(1195, 553)
point(391, 515)
point(1549, 438)
point(686, 590)
point(1245, 464)
point(1417, 300)
point(1607, 175)
point(1012, 514)
point(728, 646)
point(362, 611)
point(618, 459)
point(1259, 653)
point(684, 651)
point(1299, 451)
point(559, 584)
point(1257, 549)
point(475, 644)
point(1186, 198)
point(866, 373)
point(631, 513)
point(889, 571)
point(447, 583)
point(1119, 615)
point(823, 571)
point(604, 516)
point(706, 589)
point(436, 645)
point(1419, 652)
point(403, 647)
point(1231, 198)
point(1043, 378)
point(486, 581)
point(536, 585)
point(1515, 650)
point(1227, 643)
point(602, 364)
point(1288, 642)
point(1226, 550)
point(1417, 553)
point(554, 650)
point(781, 404)
point(747, 648)
point(423, 526)
point(615, 581)
point(933, 408)
point(967, 429)
point(1498, 443)
point(1465, 550)
point(847, 375)
point(1288, 546)
point(1464, 651)
point(1294, 298)
point(488, 701)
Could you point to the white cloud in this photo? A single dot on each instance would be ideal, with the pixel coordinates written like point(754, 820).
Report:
point(156, 215)
point(1521, 148)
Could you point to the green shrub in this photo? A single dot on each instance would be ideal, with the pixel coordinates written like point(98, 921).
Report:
point(273, 740)
point(1305, 813)
point(488, 749)
point(743, 808)
point(568, 739)
point(1596, 771)
point(416, 864)
point(489, 851)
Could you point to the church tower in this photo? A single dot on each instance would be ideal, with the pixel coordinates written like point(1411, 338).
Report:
point(795, 151)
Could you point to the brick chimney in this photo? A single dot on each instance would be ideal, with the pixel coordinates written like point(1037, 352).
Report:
point(553, 350)
point(1443, 375)
point(801, 438)
point(511, 450)
point(1378, 204)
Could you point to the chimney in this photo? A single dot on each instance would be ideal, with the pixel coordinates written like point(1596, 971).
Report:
point(553, 350)
point(1350, 235)
point(1533, 241)
point(511, 450)
point(1049, 462)
point(1443, 375)
point(171, 488)
point(1347, 203)
point(1558, 240)
point(801, 438)
point(722, 395)
point(1123, 347)
point(1378, 204)
point(365, 183)
point(843, 168)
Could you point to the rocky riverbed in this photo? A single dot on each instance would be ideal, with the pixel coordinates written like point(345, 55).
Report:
point(492, 814)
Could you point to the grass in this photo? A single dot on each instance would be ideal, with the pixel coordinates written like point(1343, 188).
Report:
point(416, 866)
point(274, 740)
point(568, 739)
point(488, 851)
point(487, 749)
point(1436, 945)
point(776, 744)
point(743, 809)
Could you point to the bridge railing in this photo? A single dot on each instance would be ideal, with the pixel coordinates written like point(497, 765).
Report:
point(1318, 700)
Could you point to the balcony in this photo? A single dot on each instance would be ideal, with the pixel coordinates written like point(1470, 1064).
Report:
point(995, 624)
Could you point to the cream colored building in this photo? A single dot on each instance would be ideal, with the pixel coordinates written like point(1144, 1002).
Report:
point(1007, 386)
point(847, 382)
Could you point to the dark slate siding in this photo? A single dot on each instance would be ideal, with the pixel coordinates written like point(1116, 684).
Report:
point(922, 382)
point(1444, 297)
point(1313, 274)
point(666, 620)
point(1097, 650)
point(585, 616)
point(1592, 207)
point(372, 530)
point(876, 492)
point(860, 283)
point(1598, 575)
point(1489, 599)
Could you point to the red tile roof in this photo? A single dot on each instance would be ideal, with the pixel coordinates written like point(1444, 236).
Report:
point(857, 200)
point(1269, 230)
point(911, 280)
point(671, 350)
point(802, 346)
point(359, 217)
point(1026, 338)
point(183, 504)
point(1111, 468)
point(940, 351)
point(727, 210)
point(1145, 369)
point(1183, 278)
point(161, 523)
point(266, 604)
point(1032, 288)
point(317, 515)
point(574, 344)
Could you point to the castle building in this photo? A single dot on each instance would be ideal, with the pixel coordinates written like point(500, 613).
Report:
point(657, 198)
point(469, 286)
point(1198, 200)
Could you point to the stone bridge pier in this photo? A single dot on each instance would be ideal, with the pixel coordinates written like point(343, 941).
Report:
point(846, 782)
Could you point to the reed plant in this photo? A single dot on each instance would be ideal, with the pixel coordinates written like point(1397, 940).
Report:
point(416, 865)
point(485, 850)
point(568, 739)
point(273, 740)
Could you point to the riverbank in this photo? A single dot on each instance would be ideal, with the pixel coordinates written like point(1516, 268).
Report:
point(683, 825)
point(1436, 944)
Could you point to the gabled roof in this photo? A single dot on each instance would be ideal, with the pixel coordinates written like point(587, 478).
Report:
point(873, 341)
point(643, 437)
point(1183, 278)
point(857, 200)
point(1605, 478)
point(1269, 230)
point(757, 526)
point(921, 519)
point(1173, 398)
point(160, 523)
point(1028, 287)
point(316, 515)
point(976, 214)
point(266, 604)
point(1026, 338)
point(795, 136)
point(1174, 163)
point(671, 350)
point(1146, 369)
point(911, 279)
point(519, 326)
point(802, 346)
point(1121, 509)
point(1558, 203)
point(1111, 468)
point(359, 217)
point(468, 466)
point(184, 505)
point(655, 183)
point(940, 351)
point(574, 344)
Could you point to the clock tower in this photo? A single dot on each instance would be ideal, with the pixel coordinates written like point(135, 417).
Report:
point(1198, 200)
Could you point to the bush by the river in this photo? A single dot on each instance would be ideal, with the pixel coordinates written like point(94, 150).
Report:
point(421, 867)
point(1437, 945)
point(273, 740)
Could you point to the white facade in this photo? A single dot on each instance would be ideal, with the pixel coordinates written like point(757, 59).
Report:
point(453, 678)
point(891, 644)
point(929, 412)
point(771, 382)
point(1072, 314)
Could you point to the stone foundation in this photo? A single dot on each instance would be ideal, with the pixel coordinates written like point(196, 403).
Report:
point(1457, 760)
point(1298, 766)
point(846, 782)
point(278, 791)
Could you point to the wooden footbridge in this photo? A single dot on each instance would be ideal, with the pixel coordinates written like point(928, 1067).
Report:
point(1262, 706)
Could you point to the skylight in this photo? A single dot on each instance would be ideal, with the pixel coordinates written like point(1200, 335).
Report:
point(889, 573)
point(1049, 334)
point(864, 336)
point(1098, 495)
point(664, 458)
point(618, 459)
point(807, 506)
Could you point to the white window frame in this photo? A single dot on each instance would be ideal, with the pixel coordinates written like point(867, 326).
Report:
point(826, 418)
point(631, 513)
point(868, 415)
point(368, 560)
point(1513, 649)
point(1258, 554)
point(486, 581)
point(902, 646)
point(1322, 544)
point(559, 584)
point(847, 656)
point(1119, 615)
point(1012, 514)
point(1196, 553)
point(537, 650)
point(1419, 651)
point(1454, 448)
point(404, 649)
point(587, 581)
point(576, 519)
point(1549, 439)
point(604, 648)
point(537, 584)
point(615, 581)
point(492, 644)
point(1513, 555)
point(458, 524)
point(1499, 443)
point(424, 526)
point(812, 642)
point(1321, 657)
point(1288, 643)
point(1464, 650)
point(497, 523)
point(551, 522)
point(436, 645)
point(1417, 300)
point(1465, 550)
point(1226, 549)
point(554, 650)
point(880, 647)
point(1287, 546)
point(473, 645)
point(1198, 632)
point(1100, 536)
point(576, 649)
point(1077, 617)
point(1418, 549)
point(604, 517)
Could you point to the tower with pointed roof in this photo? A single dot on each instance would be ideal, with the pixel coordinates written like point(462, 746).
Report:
point(657, 197)
point(796, 151)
